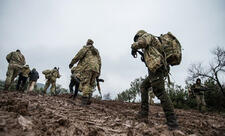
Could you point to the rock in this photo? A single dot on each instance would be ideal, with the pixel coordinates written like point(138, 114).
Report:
point(25, 123)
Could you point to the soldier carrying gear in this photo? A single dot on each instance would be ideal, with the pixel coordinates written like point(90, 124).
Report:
point(158, 70)
point(87, 69)
point(51, 76)
point(23, 76)
point(198, 90)
point(16, 61)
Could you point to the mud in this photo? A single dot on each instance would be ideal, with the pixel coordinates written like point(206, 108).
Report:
point(37, 115)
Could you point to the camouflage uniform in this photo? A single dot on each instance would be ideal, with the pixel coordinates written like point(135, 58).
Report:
point(152, 50)
point(198, 90)
point(88, 67)
point(23, 76)
point(16, 61)
point(51, 80)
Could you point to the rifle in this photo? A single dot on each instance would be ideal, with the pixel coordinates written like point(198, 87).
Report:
point(98, 85)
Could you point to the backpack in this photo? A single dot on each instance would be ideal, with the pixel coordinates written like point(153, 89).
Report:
point(171, 48)
point(47, 73)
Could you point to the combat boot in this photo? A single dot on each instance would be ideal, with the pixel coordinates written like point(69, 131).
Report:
point(84, 101)
point(172, 122)
point(142, 116)
point(89, 100)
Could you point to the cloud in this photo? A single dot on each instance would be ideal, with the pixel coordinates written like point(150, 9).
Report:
point(50, 32)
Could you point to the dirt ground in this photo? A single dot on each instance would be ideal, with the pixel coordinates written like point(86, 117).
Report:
point(36, 115)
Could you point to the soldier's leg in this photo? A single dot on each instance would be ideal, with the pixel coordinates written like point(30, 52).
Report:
point(86, 88)
point(47, 84)
point(19, 82)
point(24, 81)
point(203, 104)
point(71, 85)
point(9, 75)
point(77, 85)
point(144, 97)
point(159, 90)
point(198, 101)
point(53, 87)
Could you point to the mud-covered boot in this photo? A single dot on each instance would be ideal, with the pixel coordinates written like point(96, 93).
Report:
point(172, 122)
point(89, 100)
point(84, 101)
point(142, 116)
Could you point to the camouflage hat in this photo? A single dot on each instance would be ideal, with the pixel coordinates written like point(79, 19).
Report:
point(89, 41)
point(138, 34)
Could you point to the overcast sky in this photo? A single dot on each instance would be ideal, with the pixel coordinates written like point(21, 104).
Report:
point(50, 32)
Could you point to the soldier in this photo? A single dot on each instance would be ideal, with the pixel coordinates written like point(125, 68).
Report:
point(158, 70)
point(51, 76)
point(33, 77)
point(74, 81)
point(16, 61)
point(23, 76)
point(87, 70)
point(198, 91)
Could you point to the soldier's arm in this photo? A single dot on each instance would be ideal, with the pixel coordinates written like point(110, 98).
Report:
point(24, 61)
point(78, 56)
point(140, 44)
point(8, 57)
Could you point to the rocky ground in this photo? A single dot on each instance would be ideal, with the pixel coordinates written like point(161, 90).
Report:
point(36, 115)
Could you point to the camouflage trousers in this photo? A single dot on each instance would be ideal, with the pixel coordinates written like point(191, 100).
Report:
point(53, 86)
point(201, 105)
point(88, 80)
point(12, 72)
point(156, 81)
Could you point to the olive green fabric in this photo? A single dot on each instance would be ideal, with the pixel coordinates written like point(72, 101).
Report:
point(51, 80)
point(25, 71)
point(152, 50)
point(156, 81)
point(87, 69)
point(88, 82)
point(88, 59)
point(16, 61)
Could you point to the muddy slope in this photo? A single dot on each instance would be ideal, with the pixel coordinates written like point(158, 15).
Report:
point(36, 115)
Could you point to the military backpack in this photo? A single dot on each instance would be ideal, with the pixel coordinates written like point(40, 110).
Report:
point(171, 48)
point(47, 73)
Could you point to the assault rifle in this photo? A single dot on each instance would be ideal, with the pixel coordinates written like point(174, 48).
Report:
point(98, 85)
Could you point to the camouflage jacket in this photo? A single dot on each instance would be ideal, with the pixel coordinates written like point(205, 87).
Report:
point(25, 71)
point(152, 49)
point(88, 59)
point(16, 58)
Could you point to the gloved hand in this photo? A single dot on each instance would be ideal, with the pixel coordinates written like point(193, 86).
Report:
point(134, 53)
point(70, 65)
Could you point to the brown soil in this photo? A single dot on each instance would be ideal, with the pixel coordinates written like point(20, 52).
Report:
point(36, 115)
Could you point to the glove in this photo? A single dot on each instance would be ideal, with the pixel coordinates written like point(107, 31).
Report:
point(134, 53)
point(70, 65)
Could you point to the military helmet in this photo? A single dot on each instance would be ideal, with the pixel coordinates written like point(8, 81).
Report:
point(90, 42)
point(138, 34)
